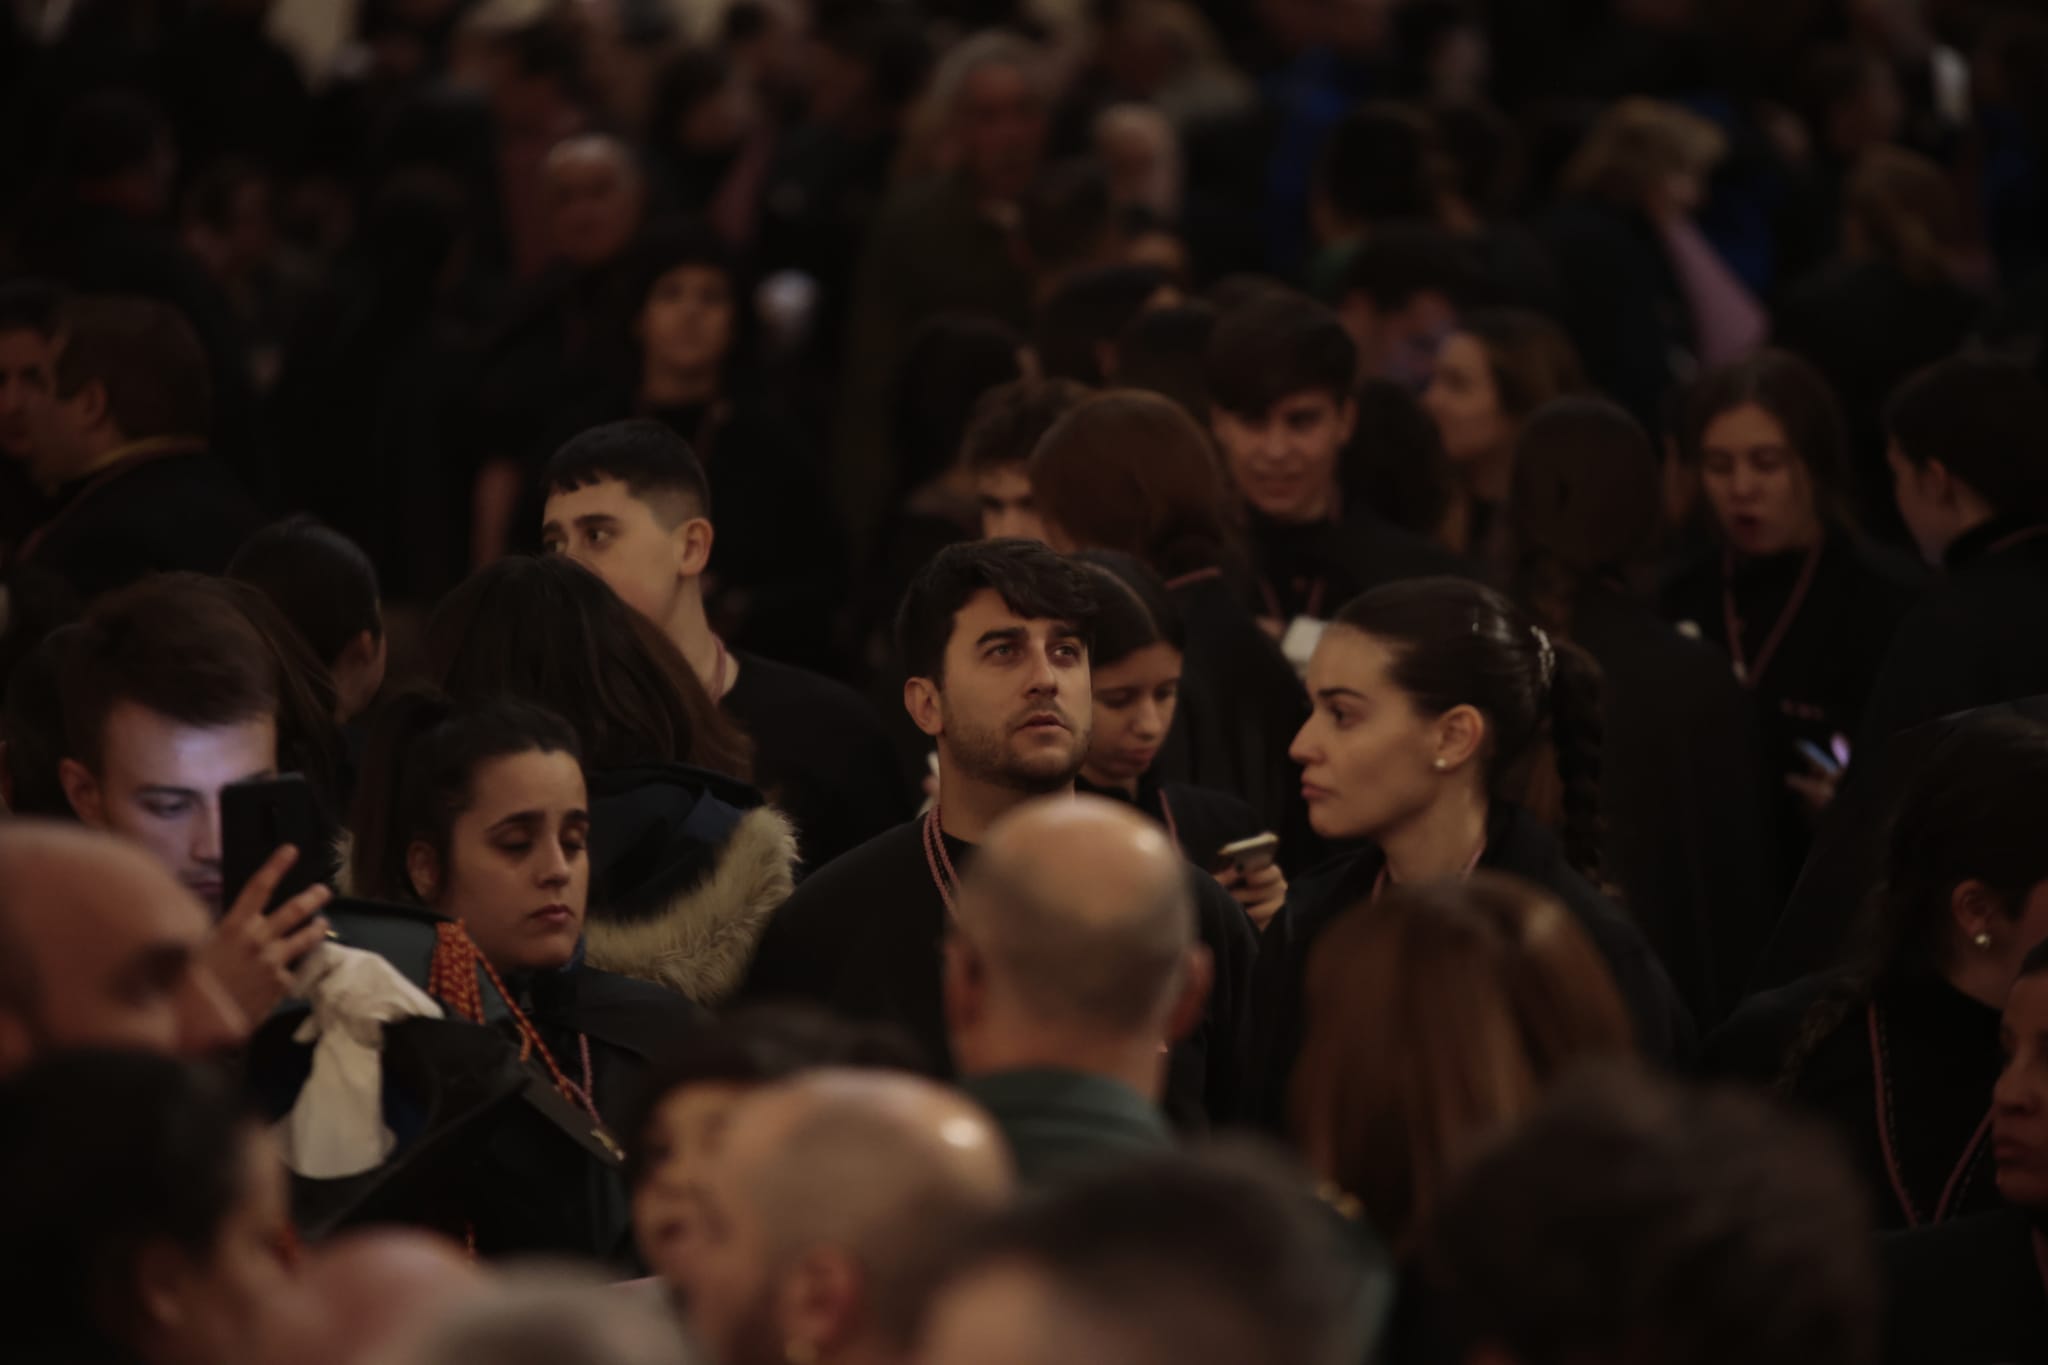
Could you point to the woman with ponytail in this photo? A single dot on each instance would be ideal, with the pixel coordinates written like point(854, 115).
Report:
point(481, 815)
point(1433, 699)
point(1900, 1053)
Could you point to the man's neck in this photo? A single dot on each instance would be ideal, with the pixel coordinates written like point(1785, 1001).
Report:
point(663, 388)
point(1440, 842)
point(1137, 1064)
point(688, 627)
point(969, 805)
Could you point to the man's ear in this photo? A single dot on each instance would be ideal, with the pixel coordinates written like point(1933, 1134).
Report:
point(91, 399)
point(818, 1308)
point(921, 700)
point(423, 870)
point(1977, 910)
point(966, 984)
point(17, 1043)
point(82, 789)
point(1347, 420)
point(1197, 978)
point(693, 546)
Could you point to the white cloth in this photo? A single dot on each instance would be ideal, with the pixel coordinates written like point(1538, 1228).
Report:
point(336, 1128)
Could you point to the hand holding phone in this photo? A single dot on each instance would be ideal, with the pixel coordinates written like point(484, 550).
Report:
point(1250, 872)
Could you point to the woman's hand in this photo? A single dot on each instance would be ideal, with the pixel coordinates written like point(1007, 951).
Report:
point(1816, 790)
point(251, 953)
point(1261, 892)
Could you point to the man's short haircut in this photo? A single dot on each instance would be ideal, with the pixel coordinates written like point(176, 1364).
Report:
point(321, 581)
point(170, 644)
point(1630, 1220)
point(1399, 262)
point(656, 465)
point(32, 726)
point(147, 358)
point(1205, 1260)
point(1986, 420)
point(1009, 420)
point(32, 306)
point(1088, 311)
point(1033, 581)
point(1276, 346)
point(1166, 351)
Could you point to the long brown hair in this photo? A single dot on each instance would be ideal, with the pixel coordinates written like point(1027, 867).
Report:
point(1434, 1016)
point(1131, 471)
point(548, 631)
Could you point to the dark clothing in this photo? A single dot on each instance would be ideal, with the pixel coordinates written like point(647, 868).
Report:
point(1064, 1123)
point(1682, 761)
point(1978, 635)
point(1240, 708)
point(1817, 683)
point(1940, 1059)
point(777, 563)
point(1868, 327)
point(1626, 310)
point(864, 937)
point(630, 1025)
point(177, 511)
point(820, 754)
point(1200, 820)
point(1966, 1293)
point(1517, 843)
point(1314, 570)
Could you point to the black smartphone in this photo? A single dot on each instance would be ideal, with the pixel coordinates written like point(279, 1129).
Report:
point(259, 816)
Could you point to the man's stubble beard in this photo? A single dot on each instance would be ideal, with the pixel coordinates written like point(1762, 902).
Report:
point(983, 753)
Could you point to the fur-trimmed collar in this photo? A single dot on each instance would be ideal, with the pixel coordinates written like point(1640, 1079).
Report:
point(701, 941)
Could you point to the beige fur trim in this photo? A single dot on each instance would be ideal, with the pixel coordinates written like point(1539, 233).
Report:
point(701, 942)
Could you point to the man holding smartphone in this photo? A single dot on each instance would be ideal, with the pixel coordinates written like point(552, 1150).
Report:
point(171, 695)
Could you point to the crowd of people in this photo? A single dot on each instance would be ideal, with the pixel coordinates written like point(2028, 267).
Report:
point(908, 682)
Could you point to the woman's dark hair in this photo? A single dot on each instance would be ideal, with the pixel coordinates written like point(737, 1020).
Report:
point(1134, 610)
point(1383, 162)
point(105, 1155)
point(679, 245)
point(1132, 471)
point(1986, 420)
point(1797, 397)
point(419, 776)
point(952, 361)
point(1584, 505)
point(1088, 312)
point(760, 1044)
point(1166, 351)
point(548, 631)
point(1529, 357)
point(319, 579)
point(1456, 643)
point(1395, 462)
point(1974, 813)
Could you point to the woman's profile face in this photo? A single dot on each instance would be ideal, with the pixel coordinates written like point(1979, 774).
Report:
point(1465, 403)
point(1135, 700)
point(1757, 484)
point(682, 1135)
point(1366, 754)
point(518, 871)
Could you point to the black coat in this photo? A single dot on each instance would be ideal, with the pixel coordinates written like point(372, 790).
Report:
point(1240, 708)
point(1966, 1293)
point(1314, 570)
point(1681, 762)
point(1941, 1059)
point(1516, 843)
point(1817, 685)
point(864, 937)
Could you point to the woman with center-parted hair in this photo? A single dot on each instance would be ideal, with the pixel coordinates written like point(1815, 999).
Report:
point(687, 860)
point(1432, 700)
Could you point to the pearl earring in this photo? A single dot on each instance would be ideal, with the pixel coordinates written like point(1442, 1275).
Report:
point(1442, 764)
point(1982, 940)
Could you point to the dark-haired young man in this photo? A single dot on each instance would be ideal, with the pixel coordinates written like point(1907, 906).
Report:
point(121, 451)
point(630, 502)
point(1281, 370)
point(994, 637)
point(1005, 428)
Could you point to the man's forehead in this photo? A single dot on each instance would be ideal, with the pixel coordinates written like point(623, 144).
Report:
point(606, 497)
point(987, 610)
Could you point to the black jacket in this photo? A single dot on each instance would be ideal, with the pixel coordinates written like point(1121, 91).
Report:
point(1202, 821)
point(1314, 570)
point(1966, 1293)
point(1517, 843)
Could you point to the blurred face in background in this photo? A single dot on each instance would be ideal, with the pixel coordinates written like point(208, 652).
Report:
point(594, 200)
point(682, 1137)
point(28, 362)
point(1464, 401)
point(687, 324)
point(1759, 488)
point(1284, 461)
point(1135, 701)
point(1001, 124)
point(1006, 507)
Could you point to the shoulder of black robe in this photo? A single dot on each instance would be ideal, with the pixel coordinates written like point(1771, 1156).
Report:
point(1682, 762)
point(1978, 636)
point(179, 513)
point(686, 868)
point(1752, 1043)
point(1517, 843)
point(1205, 1075)
point(1828, 904)
point(630, 1024)
point(1240, 708)
point(820, 753)
point(1967, 1292)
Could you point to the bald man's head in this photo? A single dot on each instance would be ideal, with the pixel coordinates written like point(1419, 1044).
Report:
point(595, 198)
point(1079, 915)
point(100, 946)
point(831, 1198)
